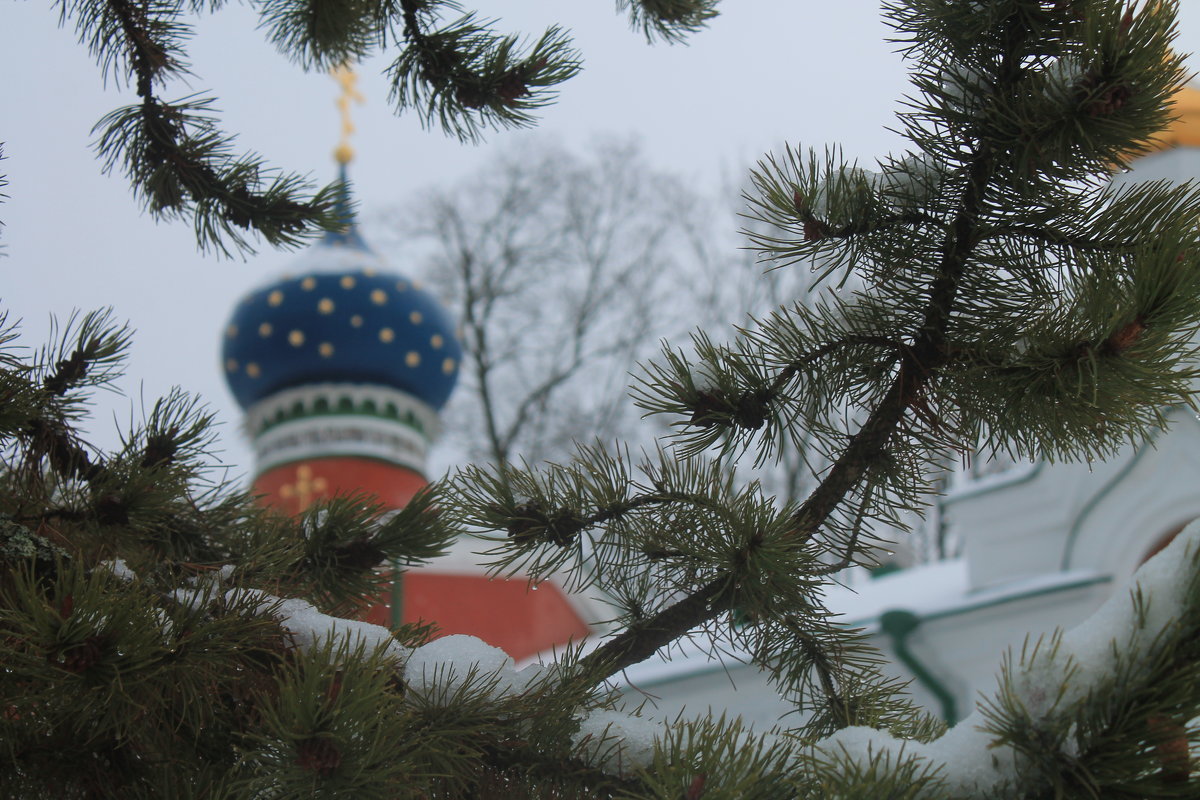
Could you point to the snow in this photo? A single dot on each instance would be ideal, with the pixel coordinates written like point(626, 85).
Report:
point(838, 194)
point(165, 624)
point(436, 672)
point(920, 589)
point(119, 568)
point(1063, 78)
point(705, 377)
point(308, 628)
point(965, 88)
point(1130, 625)
point(311, 629)
point(971, 761)
point(616, 742)
point(911, 180)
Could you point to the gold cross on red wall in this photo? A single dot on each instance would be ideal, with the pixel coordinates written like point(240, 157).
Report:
point(305, 489)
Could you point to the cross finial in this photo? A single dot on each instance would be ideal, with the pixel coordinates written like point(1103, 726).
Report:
point(348, 79)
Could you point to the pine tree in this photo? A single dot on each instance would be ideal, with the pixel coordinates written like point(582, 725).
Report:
point(162, 636)
point(452, 68)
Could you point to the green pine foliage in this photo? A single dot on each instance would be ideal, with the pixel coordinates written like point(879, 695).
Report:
point(452, 69)
point(162, 635)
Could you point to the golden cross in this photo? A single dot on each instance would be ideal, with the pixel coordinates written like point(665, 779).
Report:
point(348, 79)
point(304, 489)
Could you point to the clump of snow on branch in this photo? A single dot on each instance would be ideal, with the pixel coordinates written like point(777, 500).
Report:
point(1131, 625)
point(1063, 79)
point(902, 183)
point(969, 762)
point(118, 568)
point(616, 742)
point(965, 88)
point(435, 672)
point(839, 199)
point(308, 627)
point(706, 377)
point(910, 180)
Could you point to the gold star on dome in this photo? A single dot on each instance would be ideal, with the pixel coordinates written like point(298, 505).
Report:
point(252, 370)
point(231, 331)
point(356, 321)
point(296, 338)
point(347, 281)
point(265, 329)
point(325, 306)
point(308, 284)
point(378, 297)
point(275, 298)
point(325, 349)
point(448, 366)
point(415, 318)
point(412, 358)
point(231, 365)
point(436, 341)
point(386, 335)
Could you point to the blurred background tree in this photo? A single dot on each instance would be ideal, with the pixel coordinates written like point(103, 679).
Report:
point(564, 271)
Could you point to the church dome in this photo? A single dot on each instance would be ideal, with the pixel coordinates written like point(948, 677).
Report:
point(1184, 131)
point(342, 319)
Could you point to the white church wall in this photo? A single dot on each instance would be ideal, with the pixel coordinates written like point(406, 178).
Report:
point(1043, 547)
point(1155, 492)
point(965, 648)
point(1012, 530)
point(1174, 165)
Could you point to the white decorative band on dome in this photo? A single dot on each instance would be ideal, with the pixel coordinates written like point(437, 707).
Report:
point(342, 400)
point(341, 436)
point(340, 419)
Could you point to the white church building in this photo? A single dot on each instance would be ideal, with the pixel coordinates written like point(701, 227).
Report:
point(1042, 547)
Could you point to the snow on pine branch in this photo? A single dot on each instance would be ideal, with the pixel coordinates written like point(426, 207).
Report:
point(435, 673)
point(615, 741)
point(1051, 680)
point(309, 628)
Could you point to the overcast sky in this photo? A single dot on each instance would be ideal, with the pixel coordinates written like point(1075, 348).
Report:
point(765, 73)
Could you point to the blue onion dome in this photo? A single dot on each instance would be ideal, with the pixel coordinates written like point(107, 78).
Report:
point(343, 318)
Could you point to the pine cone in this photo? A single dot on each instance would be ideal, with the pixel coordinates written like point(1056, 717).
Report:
point(318, 755)
point(81, 657)
point(710, 408)
point(359, 555)
point(1108, 101)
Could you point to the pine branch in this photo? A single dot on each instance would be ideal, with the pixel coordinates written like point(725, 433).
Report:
point(172, 153)
point(319, 34)
point(467, 79)
point(919, 365)
point(1051, 236)
point(669, 20)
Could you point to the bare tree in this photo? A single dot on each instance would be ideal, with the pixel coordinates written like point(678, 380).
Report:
point(564, 271)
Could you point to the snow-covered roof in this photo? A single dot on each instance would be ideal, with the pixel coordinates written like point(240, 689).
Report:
point(929, 591)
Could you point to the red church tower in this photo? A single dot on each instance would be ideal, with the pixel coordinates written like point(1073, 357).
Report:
point(341, 369)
